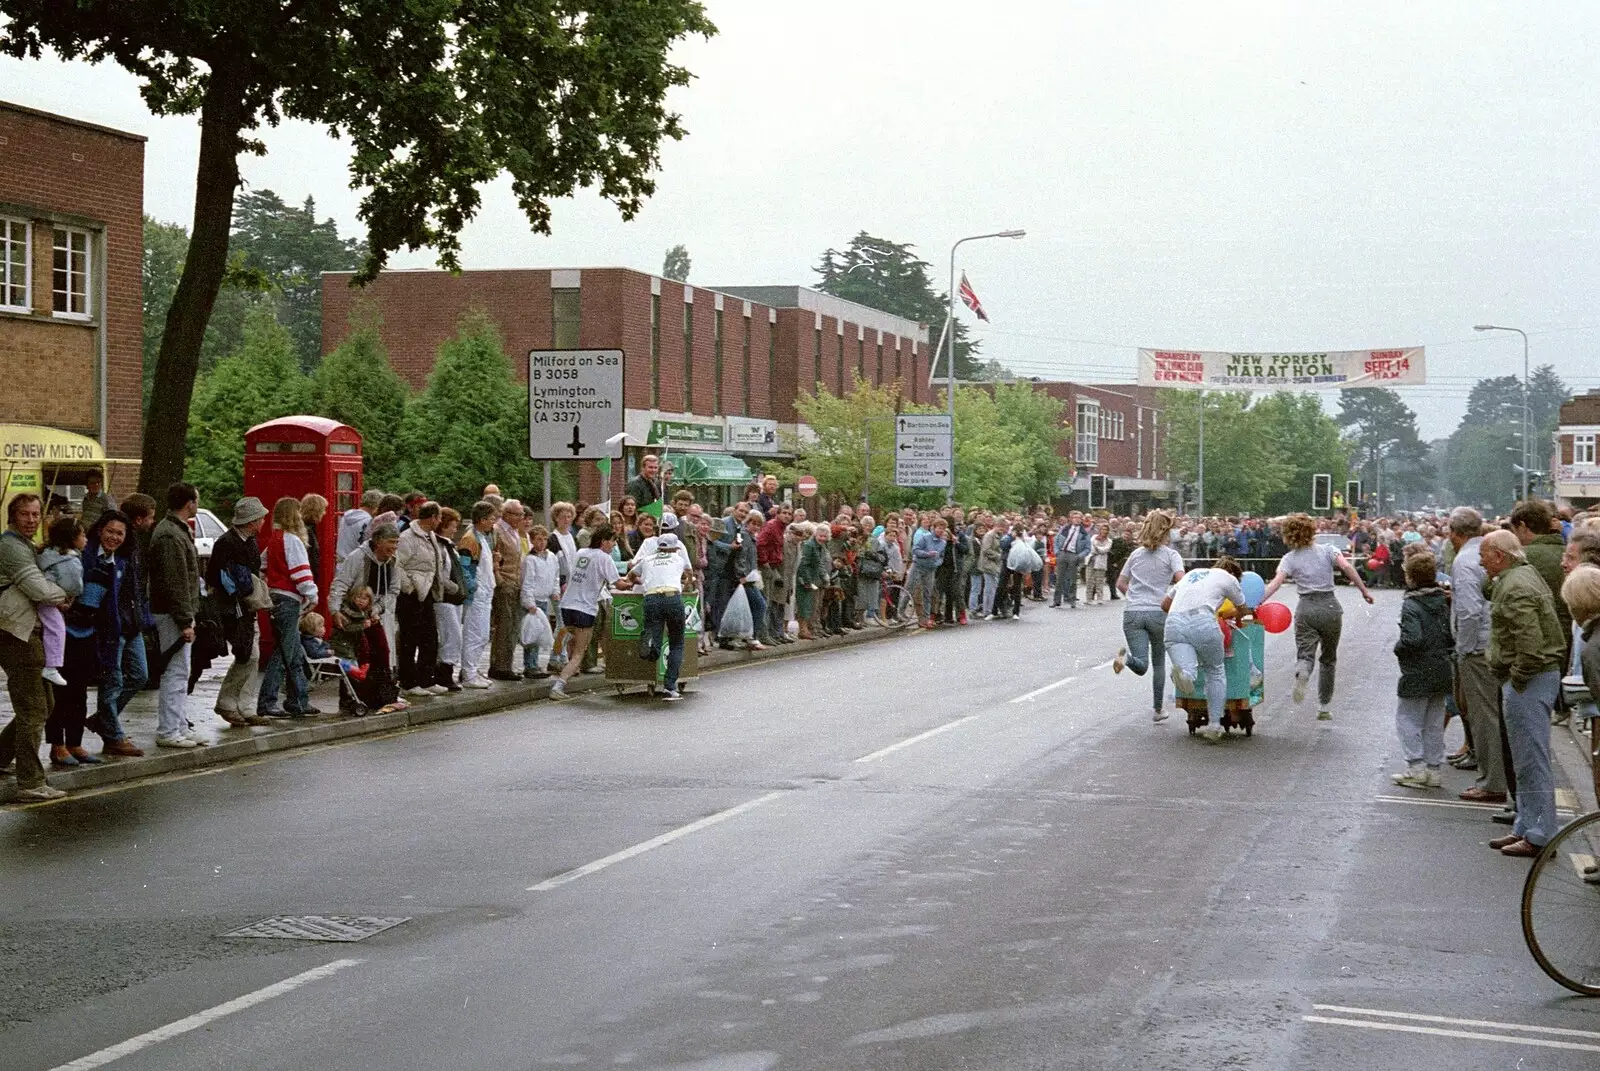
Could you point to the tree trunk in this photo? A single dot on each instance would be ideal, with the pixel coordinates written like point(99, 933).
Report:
point(166, 426)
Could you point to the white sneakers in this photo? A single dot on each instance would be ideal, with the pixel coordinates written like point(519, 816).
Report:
point(474, 682)
point(418, 691)
point(42, 794)
point(1211, 734)
point(558, 690)
point(1417, 776)
point(437, 689)
point(188, 740)
point(54, 676)
point(1159, 714)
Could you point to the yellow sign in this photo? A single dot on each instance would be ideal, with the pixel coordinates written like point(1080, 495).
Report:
point(30, 444)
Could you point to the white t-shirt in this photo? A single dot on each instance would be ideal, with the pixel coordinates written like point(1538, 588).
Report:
point(593, 573)
point(1206, 589)
point(1150, 574)
point(1311, 568)
point(661, 569)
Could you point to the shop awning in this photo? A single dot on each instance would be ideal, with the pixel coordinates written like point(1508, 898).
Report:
point(709, 468)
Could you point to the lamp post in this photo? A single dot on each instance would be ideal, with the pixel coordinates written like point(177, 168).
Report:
point(950, 328)
point(1525, 393)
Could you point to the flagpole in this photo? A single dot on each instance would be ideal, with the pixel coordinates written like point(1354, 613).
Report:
point(950, 390)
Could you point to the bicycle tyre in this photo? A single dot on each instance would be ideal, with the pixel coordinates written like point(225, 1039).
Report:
point(905, 610)
point(1561, 911)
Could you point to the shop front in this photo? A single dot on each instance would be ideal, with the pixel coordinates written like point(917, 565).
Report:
point(48, 462)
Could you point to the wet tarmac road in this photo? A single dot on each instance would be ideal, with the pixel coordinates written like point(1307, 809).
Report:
point(910, 854)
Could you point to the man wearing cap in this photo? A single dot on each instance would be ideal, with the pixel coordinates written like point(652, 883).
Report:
point(659, 574)
point(230, 577)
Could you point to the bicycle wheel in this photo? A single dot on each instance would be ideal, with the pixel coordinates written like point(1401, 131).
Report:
point(904, 611)
point(1561, 910)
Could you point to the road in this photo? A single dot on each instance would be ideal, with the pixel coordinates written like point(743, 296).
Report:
point(964, 849)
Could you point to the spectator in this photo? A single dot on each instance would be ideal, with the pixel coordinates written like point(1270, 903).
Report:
point(424, 575)
point(22, 648)
point(288, 574)
point(1479, 692)
point(478, 549)
point(645, 487)
point(231, 575)
point(353, 526)
point(505, 623)
point(1525, 652)
point(811, 574)
point(769, 495)
point(1072, 543)
point(95, 500)
point(1425, 651)
point(447, 609)
point(1535, 526)
point(174, 599)
point(115, 614)
point(312, 509)
point(541, 585)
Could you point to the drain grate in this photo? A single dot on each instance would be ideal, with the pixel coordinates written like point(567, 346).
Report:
point(316, 927)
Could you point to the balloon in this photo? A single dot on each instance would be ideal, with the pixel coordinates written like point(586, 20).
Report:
point(1255, 589)
point(1226, 608)
point(1274, 616)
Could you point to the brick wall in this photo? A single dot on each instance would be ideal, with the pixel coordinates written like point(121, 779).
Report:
point(55, 170)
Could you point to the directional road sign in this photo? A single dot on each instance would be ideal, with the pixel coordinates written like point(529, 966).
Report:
point(574, 404)
point(923, 447)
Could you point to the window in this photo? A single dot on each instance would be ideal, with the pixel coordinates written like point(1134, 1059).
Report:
point(840, 381)
point(816, 362)
point(746, 409)
point(71, 275)
point(16, 265)
point(879, 377)
point(1583, 449)
point(655, 351)
point(861, 357)
point(1086, 448)
point(772, 358)
point(565, 318)
point(1113, 426)
point(688, 357)
point(716, 354)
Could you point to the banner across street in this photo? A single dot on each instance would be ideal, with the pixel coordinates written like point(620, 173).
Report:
point(1330, 370)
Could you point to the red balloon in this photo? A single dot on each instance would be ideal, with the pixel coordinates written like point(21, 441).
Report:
point(1274, 616)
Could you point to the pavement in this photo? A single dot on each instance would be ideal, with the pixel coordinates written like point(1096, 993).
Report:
point(966, 849)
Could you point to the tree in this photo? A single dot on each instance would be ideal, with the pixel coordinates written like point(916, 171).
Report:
point(1392, 456)
point(1038, 425)
point(261, 381)
point(1478, 467)
point(1308, 441)
point(842, 425)
point(1244, 465)
point(993, 468)
point(436, 100)
point(886, 275)
point(291, 250)
point(469, 426)
point(165, 245)
point(676, 265)
point(356, 385)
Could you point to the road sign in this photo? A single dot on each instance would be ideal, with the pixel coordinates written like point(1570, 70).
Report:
point(806, 485)
point(574, 404)
point(923, 447)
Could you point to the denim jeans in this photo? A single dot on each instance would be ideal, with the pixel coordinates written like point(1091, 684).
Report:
point(921, 584)
point(1527, 722)
point(980, 599)
point(664, 611)
point(1145, 633)
point(121, 682)
point(1194, 642)
point(288, 660)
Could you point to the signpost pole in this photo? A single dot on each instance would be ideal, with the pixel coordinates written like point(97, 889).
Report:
point(547, 518)
point(1200, 480)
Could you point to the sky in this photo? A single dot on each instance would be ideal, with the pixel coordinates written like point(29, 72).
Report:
point(1206, 175)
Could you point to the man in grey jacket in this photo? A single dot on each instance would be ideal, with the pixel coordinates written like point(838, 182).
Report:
point(1480, 691)
point(174, 570)
point(22, 648)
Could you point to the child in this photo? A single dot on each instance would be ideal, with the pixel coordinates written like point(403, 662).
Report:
point(1425, 650)
point(541, 584)
point(61, 562)
point(362, 644)
point(311, 629)
point(1099, 561)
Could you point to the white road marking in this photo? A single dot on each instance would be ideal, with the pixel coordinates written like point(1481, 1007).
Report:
point(919, 738)
point(1047, 688)
point(199, 1019)
point(1528, 1028)
point(654, 842)
point(1504, 1039)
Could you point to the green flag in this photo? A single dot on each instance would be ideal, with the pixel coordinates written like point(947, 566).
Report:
point(654, 509)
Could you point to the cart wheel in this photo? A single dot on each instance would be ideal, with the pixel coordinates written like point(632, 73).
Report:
point(1249, 730)
point(1191, 730)
point(621, 688)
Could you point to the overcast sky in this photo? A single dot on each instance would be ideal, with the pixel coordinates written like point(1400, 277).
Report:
point(1268, 175)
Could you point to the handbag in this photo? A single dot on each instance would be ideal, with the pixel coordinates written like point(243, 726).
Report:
point(259, 598)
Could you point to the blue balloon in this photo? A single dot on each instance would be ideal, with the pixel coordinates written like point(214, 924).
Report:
point(1255, 589)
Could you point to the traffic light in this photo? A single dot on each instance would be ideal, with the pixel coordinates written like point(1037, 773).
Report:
point(1352, 493)
point(1099, 491)
point(1322, 491)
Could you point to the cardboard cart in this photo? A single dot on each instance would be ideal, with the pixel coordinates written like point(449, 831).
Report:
point(1249, 647)
point(624, 668)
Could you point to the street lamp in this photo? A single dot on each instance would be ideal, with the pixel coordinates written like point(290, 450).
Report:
point(950, 327)
point(1525, 392)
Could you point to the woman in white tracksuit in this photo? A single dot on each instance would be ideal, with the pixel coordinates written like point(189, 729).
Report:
point(479, 546)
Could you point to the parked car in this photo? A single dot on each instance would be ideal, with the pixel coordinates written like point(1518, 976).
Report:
point(207, 530)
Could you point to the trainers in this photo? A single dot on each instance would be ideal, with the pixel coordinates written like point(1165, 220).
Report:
point(1300, 689)
point(419, 691)
point(1182, 681)
point(474, 682)
point(42, 794)
point(1158, 715)
point(558, 690)
point(1120, 661)
point(1324, 715)
point(1211, 734)
point(437, 689)
point(1412, 777)
point(199, 740)
point(177, 741)
point(54, 676)
point(672, 695)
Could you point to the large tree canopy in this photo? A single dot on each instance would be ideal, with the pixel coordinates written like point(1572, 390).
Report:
point(436, 97)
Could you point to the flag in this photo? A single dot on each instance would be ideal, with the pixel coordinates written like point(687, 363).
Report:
point(969, 297)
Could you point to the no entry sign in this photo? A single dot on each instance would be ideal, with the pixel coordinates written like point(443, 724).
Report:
point(806, 485)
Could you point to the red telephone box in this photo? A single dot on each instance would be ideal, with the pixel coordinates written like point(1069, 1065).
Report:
point(302, 455)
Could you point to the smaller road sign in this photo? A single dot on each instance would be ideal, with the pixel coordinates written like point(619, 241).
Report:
point(806, 485)
point(923, 449)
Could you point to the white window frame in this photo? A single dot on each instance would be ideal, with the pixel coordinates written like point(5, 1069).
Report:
point(87, 275)
point(1583, 449)
point(8, 238)
point(1086, 444)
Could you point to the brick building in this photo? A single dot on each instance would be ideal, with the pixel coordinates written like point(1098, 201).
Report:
point(1577, 469)
point(71, 246)
point(1118, 433)
point(715, 371)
